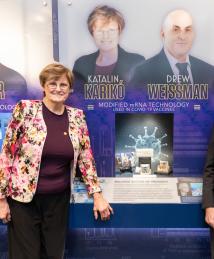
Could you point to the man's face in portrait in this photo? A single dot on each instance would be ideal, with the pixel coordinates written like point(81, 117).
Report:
point(178, 34)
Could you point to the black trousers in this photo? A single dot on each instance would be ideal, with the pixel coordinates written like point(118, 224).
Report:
point(38, 229)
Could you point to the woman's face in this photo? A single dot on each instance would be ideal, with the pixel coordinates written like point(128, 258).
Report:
point(106, 34)
point(57, 90)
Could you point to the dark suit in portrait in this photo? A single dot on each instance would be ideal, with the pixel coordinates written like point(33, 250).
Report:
point(156, 69)
point(124, 67)
point(13, 86)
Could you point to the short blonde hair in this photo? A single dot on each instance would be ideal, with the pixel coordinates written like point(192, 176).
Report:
point(55, 71)
point(107, 13)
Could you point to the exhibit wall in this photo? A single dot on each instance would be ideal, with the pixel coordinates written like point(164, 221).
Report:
point(149, 118)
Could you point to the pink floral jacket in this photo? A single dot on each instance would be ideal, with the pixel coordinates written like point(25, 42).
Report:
point(22, 151)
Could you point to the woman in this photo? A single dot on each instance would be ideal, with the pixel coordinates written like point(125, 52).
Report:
point(44, 142)
point(106, 24)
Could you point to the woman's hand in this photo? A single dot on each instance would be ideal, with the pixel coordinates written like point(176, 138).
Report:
point(102, 207)
point(5, 215)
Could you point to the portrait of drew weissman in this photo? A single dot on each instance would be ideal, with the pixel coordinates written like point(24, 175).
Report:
point(174, 64)
point(106, 25)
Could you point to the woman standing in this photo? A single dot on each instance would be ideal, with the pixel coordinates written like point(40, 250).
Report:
point(44, 142)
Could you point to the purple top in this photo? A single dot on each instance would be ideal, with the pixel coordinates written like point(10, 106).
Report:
point(54, 175)
point(104, 70)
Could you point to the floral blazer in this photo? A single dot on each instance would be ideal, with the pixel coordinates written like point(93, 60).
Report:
point(22, 151)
